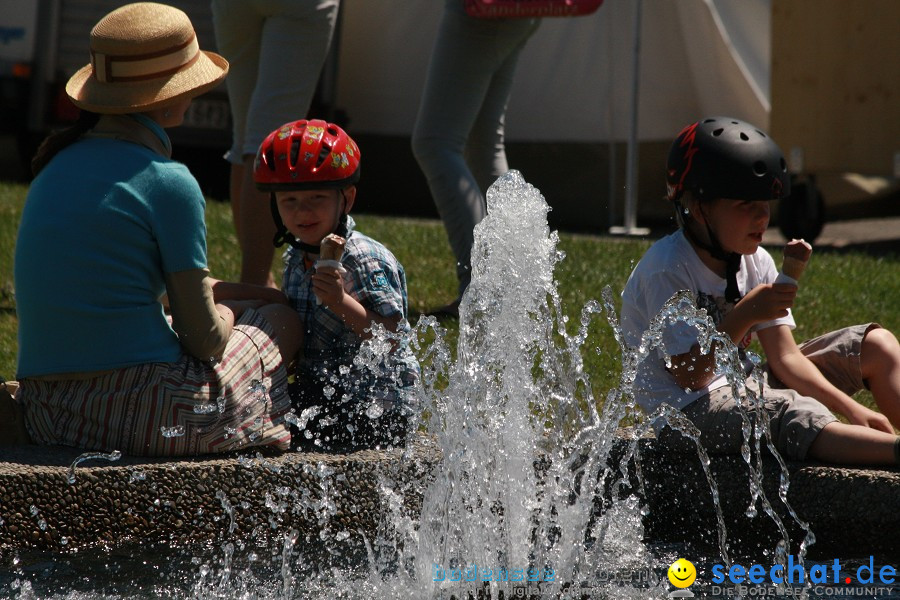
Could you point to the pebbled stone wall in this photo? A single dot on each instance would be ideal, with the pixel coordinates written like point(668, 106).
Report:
point(330, 502)
point(334, 505)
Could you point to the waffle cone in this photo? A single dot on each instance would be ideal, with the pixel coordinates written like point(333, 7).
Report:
point(331, 247)
point(793, 267)
point(796, 256)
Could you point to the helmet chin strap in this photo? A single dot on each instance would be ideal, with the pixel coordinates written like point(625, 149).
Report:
point(732, 259)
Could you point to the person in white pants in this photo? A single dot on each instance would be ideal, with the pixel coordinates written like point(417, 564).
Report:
point(276, 49)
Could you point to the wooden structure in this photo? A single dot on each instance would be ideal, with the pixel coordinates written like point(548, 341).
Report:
point(836, 85)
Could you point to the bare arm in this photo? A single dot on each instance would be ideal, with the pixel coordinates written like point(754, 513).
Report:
point(694, 369)
point(228, 290)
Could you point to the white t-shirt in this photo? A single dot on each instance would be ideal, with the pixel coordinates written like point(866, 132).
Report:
point(669, 266)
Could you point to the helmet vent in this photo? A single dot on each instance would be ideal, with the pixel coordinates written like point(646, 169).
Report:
point(760, 133)
point(759, 168)
point(783, 165)
point(324, 151)
point(718, 132)
point(270, 158)
point(745, 137)
point(295, 151)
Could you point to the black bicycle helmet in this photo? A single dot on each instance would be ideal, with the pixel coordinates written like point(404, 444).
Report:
point(721, 157)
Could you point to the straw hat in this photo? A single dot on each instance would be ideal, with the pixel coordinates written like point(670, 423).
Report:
point(144, 56)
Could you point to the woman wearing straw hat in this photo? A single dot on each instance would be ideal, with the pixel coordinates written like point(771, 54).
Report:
point(111, 226)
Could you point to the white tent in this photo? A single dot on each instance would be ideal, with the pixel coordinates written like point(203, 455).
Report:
point(697, 58)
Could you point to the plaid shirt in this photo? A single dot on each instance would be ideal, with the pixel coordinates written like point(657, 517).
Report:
point(377, 280)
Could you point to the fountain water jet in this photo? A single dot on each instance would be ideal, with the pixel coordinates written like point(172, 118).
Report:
point(521, 438)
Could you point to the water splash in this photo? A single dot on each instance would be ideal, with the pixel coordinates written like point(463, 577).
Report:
point(111, 456)
point(172, 432)
point(207, 408)
point(517, 424)
point(527, 452)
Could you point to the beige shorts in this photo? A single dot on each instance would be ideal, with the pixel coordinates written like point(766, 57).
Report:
point(794, 420)
point(185, 408)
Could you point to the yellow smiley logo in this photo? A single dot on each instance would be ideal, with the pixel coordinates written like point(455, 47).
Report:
point(682, 573)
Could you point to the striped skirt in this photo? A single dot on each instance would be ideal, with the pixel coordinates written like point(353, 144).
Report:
point(185, 408)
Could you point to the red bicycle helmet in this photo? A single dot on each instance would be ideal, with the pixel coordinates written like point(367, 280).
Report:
point(306, 155)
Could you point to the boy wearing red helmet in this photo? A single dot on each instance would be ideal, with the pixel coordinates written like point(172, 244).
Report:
point(311, 169)
point(721, 173)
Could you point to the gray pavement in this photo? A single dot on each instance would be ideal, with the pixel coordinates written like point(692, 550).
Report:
point(870, 233)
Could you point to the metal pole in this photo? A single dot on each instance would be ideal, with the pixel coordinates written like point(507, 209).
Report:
point(630, 227)
point(612, 201)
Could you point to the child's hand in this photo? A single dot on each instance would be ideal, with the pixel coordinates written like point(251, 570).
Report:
point(328, 286)
point(860, 415)
point(766, 302)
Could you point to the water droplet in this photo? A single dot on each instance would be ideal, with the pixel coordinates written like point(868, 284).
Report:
point(258, 390)
point(205, 409)
point(112, 456)
point(220, 403)
point(342, 535)
point(374, 410)
point(172, 432)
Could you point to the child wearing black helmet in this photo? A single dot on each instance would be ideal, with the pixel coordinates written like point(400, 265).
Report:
point(311, 169)
point(721, 175)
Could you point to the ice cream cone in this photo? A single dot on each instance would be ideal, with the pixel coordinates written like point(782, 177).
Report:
point(793, 267)
point(331, 247)
point(796, 257)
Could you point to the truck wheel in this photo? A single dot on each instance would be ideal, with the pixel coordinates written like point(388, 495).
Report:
point(802, 215)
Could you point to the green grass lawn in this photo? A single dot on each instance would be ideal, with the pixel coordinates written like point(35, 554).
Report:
point(839, 288)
